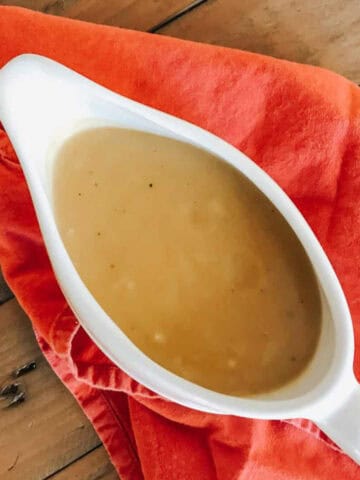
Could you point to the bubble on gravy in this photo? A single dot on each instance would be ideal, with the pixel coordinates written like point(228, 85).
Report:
point(192, 262)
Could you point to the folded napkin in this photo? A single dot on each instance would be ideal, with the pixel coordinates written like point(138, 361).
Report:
point(299, 123)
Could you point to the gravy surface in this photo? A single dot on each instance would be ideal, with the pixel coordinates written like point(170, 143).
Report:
point(191, 261)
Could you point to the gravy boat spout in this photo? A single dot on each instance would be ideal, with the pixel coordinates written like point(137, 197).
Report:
point(42, 103)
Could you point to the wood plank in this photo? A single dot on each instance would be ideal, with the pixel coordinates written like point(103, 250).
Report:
point(94, 466)
point(134, 14)
point(48, 431)
point(325, 33)
point(5, 292)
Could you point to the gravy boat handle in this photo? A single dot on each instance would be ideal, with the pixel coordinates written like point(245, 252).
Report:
point(342, 424)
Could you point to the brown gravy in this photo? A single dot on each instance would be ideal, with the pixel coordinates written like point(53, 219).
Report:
point(191, 261)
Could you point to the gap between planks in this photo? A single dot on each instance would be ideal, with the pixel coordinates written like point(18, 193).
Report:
point(92, 466)
point(5, 292)
point(176, 16)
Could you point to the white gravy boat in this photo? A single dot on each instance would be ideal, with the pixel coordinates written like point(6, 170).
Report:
point(41, 104)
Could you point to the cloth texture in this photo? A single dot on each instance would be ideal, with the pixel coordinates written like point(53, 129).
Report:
point(299, 123)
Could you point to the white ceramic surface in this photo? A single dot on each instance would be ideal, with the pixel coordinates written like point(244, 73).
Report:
point(41, 104)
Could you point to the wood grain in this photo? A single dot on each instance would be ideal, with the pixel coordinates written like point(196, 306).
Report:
point(134, 14)
point(48, 431)
point(94, 466)
point(5, 292)
point(324, 33)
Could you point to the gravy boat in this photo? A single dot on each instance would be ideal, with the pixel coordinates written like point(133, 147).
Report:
point(41, 104)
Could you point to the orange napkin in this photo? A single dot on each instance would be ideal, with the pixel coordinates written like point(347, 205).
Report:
point(302, 125)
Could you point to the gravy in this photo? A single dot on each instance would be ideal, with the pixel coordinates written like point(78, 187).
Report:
point(192, 262)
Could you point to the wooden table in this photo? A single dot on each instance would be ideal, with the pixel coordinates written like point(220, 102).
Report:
point(47, 436)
